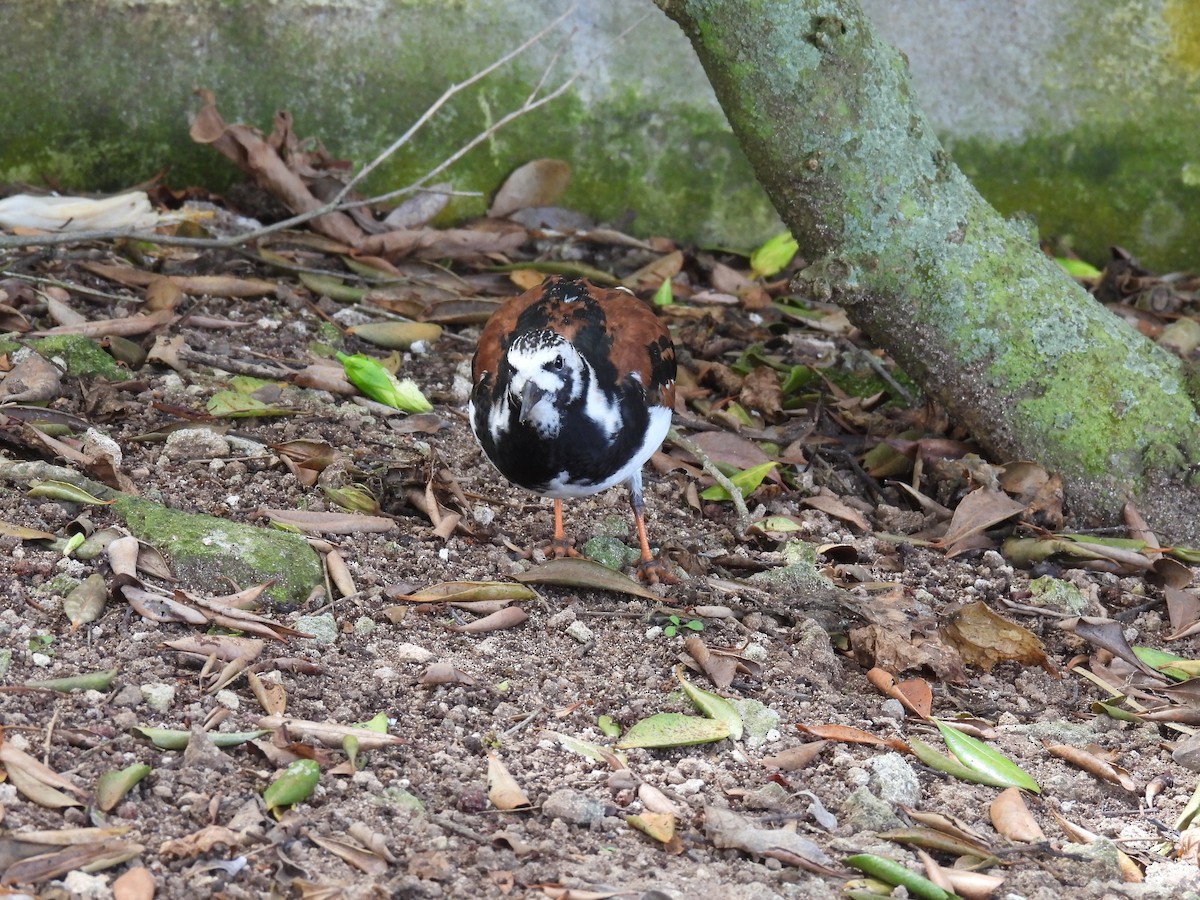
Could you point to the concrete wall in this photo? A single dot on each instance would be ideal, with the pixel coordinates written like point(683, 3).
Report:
point(1082, 112)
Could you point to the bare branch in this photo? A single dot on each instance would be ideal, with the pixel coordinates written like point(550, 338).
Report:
point(339, 203)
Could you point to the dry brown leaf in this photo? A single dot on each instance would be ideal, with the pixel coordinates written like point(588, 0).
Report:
point(915, 693)
point(329, 733)
point(1012, 818)
point(362, 859)
point(848, 734)
point(1183, 609)
point(503, 790)
point(898, 647)
point(828, 503)
point(444, 673)
point(34, 380)
point(719, 669)
point(1108, 634)
point(978, 511)
point(260, 159)
point(650, 276)
point(270, 695)
point(795, 758)
point(136, 883)
point(200, 842)
point(509, 617)
point(224, 647)
point(540, 182)
point(761, 391)
point(973, 885)
point(1092, 764)
point(36, 781)
point(726, 829)
point(448, 243)
point(126, 327)
point(583, 573)
point(984, 639)
point(93, 857)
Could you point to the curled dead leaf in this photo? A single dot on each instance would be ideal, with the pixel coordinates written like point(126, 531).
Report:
point(1011, 817)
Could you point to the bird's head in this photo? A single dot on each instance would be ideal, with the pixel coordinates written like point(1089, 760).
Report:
point(546, 375)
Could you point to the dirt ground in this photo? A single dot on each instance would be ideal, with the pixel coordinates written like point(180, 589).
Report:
point(581, 655)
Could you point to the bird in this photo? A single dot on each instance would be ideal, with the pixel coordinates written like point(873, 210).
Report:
point(573, 387)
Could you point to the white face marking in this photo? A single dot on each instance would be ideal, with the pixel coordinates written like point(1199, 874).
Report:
point(547, 366)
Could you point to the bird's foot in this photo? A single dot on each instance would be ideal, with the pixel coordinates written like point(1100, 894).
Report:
point(656, 571)
point(560, 547)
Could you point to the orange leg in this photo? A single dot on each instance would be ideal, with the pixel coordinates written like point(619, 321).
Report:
point(560, 545)
point(650, 569)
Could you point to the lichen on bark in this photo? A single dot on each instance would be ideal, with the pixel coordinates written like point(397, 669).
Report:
point(961, 297)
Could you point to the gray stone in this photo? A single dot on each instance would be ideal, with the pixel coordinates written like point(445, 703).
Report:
point(573, 807)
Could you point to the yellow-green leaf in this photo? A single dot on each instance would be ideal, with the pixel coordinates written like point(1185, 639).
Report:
point(712, 705)
point(61, 490)
point(376, 382)
point(746, 481)
point(664, 296)
point(982, 758)
point(89, 681)
point(236, 405)
point(111, 787)
point(85, 602)
point(1077, 268)
point(772, 256)
point(294, 785)
point(673, 730)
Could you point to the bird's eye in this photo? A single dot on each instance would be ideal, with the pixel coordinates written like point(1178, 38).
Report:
point(558, 362)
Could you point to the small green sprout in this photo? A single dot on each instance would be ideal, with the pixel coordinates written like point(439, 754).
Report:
point(676, 625)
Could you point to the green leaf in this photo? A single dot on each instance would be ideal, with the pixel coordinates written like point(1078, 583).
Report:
point(1077, 268)
point(350, 748)
point(61, 490)
point(714, 706)
point(331, 287)
point(948, 766)
point(746, 481)
point(294, 785)
point(673, 730)
point(608, 726)
point(378, 723)
point(111, 787)
point(894, 873)
point(1190, 810)
point(352, 497)
point(982, 758)
point(376, 382)
point(587, 748)
point(771, 257)
point(663, 296)
point(1188, 555)
point(1111, 709)
point(236, 405)
point(89, 681)
point(174, 739)
point(1161, 660)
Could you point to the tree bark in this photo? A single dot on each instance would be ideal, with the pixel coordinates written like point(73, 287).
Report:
point(962, 298)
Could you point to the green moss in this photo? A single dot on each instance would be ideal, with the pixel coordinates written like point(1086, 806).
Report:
point(211, 553)
point(83, 358)
point(640, 161)
point(1097, 184)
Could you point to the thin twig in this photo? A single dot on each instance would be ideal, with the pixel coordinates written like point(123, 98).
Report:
point(739, 502)
point(339, 203)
